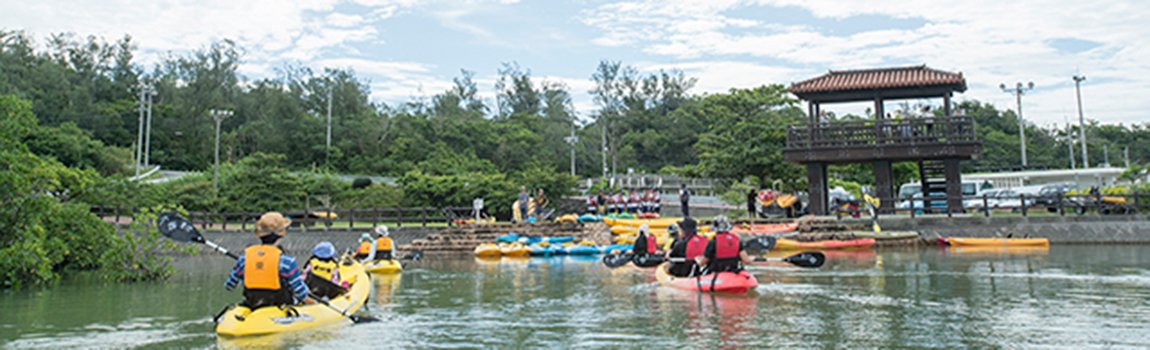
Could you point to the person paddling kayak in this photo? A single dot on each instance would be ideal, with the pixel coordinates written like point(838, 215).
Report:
point(645, 243)
point(323, 271)
point(689, 245)
point(384, 246)
point(724, 252)
point(270, 277)
point(366, 247)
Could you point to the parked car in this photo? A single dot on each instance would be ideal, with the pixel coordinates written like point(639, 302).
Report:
point(998, 198)
point(1051, 195)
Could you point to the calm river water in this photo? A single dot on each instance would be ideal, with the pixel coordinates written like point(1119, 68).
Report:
point(1064, 297)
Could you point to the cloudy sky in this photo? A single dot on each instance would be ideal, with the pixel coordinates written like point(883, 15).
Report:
point(412, 48)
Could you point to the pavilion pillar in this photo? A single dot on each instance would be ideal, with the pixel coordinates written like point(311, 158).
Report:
point(817, 188)
point(884, 185)
point(946, 104)
point(953, 172)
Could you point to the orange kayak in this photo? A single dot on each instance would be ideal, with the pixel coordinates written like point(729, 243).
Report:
point(764, 229)
point(789, 244)
point(998, 242)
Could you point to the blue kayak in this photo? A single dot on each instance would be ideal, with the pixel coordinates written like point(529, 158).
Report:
point(589, 218)
point(616, 248)
point(538, 250)
point(580, 249)
point(514, 237)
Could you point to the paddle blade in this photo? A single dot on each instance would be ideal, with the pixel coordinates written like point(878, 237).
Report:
point(362, 319)
point(416, 255)
point(178, 229)
point(616, 260)
point(648, 260)
point(761, 244)
point(807, 259)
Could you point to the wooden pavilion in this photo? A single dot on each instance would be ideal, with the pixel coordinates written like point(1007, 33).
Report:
point(937, 144)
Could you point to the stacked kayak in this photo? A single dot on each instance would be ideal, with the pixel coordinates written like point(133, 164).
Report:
point(996, 242)
point(514, 237)
point(765, 229)
point(581, 249)
point(789, 244)
point(589, 218)
point(652, 223)
point(240, 321)
point(488, 250)
point(384, 266)
point(543, 249)
point(569, 218)
point(620, 216)
point(514, 250)
point(722, 282)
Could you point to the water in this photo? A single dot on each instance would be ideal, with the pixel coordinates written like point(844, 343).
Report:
point(1064, 297)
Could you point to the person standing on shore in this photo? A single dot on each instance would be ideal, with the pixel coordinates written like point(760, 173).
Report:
point(752, 195)
point(685, 199)
point(524, 200)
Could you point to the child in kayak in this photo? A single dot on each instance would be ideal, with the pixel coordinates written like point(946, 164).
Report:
point(689, 246)
point(724, 252)
point(323, 272)
point(366, 247)
point(645, 243)
point(270, 277)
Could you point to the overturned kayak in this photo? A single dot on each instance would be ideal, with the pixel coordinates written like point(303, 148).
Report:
point(765, 229)
point(997, 242)
point(789, 244)
point(514, 250)
point(652, 223)
point(488, 250)
point(722, 282)
point(885, 235)
point(384, 266)
point(240, 321)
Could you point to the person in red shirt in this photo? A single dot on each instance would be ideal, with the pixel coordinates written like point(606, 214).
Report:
point(688, 245)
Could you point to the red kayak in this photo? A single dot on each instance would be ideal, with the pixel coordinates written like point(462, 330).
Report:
point(764, 229)
point(723, 282)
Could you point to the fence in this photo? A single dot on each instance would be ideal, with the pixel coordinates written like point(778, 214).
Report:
point(244, 221)
point(1024, 205)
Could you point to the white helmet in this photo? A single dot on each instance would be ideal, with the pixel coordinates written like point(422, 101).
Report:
point(381, 231)
point(721, 224)
point(644, 230)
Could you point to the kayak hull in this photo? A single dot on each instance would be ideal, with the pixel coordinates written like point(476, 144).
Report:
point(723, 282)
point(789, 244)
point(488, 250)
point(241, 322)
point(514, 250)
point(998, 242)
point(885, 235)
point(765, 229)
point(384, 266)
point(652, 223)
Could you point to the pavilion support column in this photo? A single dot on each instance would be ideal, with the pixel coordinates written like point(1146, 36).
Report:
point(946, 105)
point(884, 185)
point(817, 188)
point(951, 166)
point(878, 117)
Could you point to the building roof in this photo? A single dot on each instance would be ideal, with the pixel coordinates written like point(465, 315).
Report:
point(879, 79)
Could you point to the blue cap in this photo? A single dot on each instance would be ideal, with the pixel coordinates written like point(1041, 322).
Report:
point(323, 250)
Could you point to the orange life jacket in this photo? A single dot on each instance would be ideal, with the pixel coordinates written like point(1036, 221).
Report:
point(383, 244)
point(364, 248)
point(261, 267)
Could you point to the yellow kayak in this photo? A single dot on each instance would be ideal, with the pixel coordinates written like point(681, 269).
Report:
point(240, 321)
point(513, 250)
point(999, 250)
point(652, 223)
point(488, 250)
point(998, 242)
point(634, 230)
point(384, 266)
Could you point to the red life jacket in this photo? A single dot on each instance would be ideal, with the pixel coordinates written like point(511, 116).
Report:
point(652, 244)
point(726, 246)
point(696, 246)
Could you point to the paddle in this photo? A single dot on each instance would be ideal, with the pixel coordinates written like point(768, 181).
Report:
point(179, 229)
point(804, 259)
point(873, 203)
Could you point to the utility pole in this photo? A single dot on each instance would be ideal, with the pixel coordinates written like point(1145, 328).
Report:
point(1081, 120)
point(1106, 155)
point(1126, 155)
point(218, 115)
point(150, 94)
point(603, 134)
point(1018, 91)
point(572, 140)
point(139, 149)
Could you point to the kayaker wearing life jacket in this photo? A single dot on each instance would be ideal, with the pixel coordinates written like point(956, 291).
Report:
point(645, 243)
point(323, 271)
point(384, 246)
point(366, 247)
point(689, 245)
point(592, 206)
point(724, 251)
point(270, 277)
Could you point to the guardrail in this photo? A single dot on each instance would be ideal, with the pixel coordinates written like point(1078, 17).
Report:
point(882, 132)
point(349, 218)
point(1024, 205)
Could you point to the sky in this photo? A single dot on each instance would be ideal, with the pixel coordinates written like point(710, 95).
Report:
point(409, 49)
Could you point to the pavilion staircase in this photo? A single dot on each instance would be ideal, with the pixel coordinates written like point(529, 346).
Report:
point(933, 175)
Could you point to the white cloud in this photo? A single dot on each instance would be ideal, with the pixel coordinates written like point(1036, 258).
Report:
point(990, 41)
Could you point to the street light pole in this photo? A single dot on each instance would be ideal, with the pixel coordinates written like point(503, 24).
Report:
point(139, 151)
point(1018, 91)
point(218, 115)
point(1081, 121)
point(327, 150)
point(572, 140)
point(150, 94)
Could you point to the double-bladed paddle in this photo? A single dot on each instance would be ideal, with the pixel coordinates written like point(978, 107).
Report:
point(179, 229)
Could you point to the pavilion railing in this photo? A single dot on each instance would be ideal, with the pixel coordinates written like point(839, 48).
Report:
point(883, 132)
